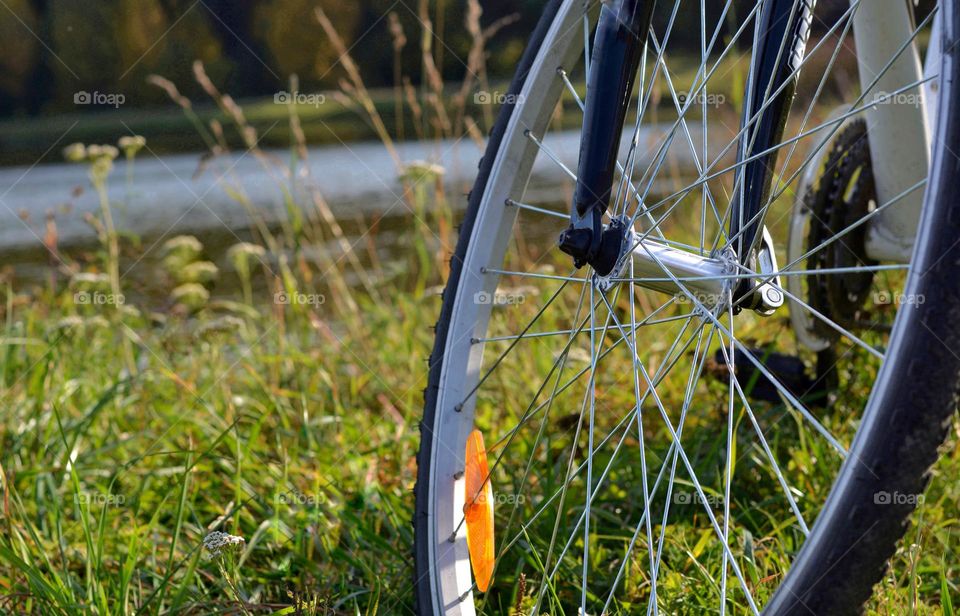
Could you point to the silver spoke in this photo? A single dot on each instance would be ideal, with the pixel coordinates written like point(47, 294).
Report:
point(550, 154)
point(692, 381)
point(728, 358)
point(759, 365)
point(835, 123)
point(833, 324)
point(728, 480)
point(572, 380)
point(803, 134)
point(645, 518)
point(628, 419)
point(538, 210)
point(690, 472)
point(653, 168)
point(773, 275)
point(591, 394)
point(564, 332)
point(502, 272)
point(643, 452)
point(707, 194)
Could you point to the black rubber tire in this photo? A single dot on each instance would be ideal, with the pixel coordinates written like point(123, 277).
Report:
point(914, 400)
point(422, 566)
point(910, 410)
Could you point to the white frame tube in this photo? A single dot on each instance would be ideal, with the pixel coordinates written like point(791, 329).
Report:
point(898, 126)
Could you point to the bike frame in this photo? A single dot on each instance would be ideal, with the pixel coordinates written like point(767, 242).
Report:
point(900, 123)
point(898, 116)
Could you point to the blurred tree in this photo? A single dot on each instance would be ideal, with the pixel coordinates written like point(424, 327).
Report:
point(81, 35)
point(235, 25)
point(296, 44)
point(152, 39)
point(110, 47)
point(249, 47)
point(157, 40)
point(19, 55)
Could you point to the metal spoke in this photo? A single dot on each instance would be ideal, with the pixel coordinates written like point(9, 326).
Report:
point(564, 332)
point(571, 381)
point(831, 323)
point(728, 358)
point(654, 167)
point(692, 474)
point(499, 359)
point(835, 122)
point(763, 369)
point(643, 453)
point(502, 272)
point(543, 420)
point(705, 177)
point(550, 154)
point(707, 194)
point(692, 381)
point(696, 367)
point(538, 210)
point(559, 362)
point(846, 230)
point(772, 275)
point(591, 394)
point(731, 435)
point(775, 194)
point(573, 449)
point(662, 372)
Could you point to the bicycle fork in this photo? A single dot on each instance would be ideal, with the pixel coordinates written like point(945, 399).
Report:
point(620, 42)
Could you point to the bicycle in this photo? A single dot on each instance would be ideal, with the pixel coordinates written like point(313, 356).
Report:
point(622, 399)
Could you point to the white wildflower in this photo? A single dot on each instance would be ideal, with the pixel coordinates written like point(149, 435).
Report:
point(218, 542)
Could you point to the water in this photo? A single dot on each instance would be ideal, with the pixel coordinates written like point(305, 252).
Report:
point(48, 205)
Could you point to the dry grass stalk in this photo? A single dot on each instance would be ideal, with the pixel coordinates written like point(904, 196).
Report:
point(356, 80)
point(433, 78)
point(477, 57)
point(320, 203)
point(399, 42)
point(411, 95)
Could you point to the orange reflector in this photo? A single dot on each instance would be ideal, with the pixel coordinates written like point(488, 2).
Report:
point(478, 511)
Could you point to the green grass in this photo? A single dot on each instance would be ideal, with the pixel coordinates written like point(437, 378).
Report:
point(295, 427)
point(132, 429)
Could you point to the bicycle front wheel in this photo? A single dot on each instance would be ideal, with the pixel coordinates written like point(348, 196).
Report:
point(661, 453)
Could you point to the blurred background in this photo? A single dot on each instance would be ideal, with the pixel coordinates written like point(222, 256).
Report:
point(51, 50)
